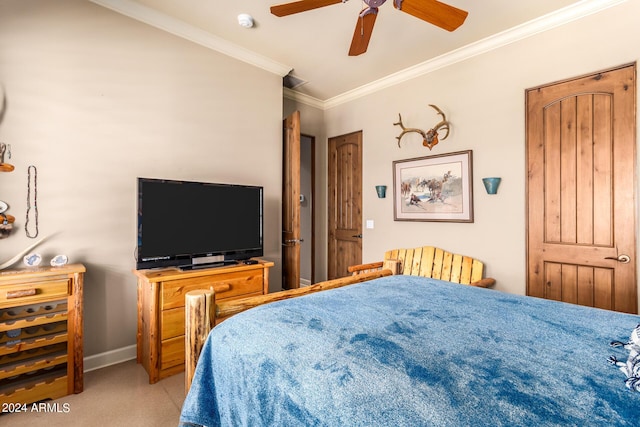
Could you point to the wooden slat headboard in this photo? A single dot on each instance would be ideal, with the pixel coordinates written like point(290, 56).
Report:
point(429, 261)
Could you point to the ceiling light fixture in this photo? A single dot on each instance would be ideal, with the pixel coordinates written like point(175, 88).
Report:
point(245, 20)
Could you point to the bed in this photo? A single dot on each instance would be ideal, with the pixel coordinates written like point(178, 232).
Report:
point(412, 351)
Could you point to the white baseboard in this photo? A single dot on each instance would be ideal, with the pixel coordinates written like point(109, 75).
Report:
point(304, 282)
point(109, 358)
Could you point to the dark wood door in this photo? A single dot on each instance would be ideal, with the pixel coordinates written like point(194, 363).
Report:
point(345, 204)
point(291, 202)
point(581, 190)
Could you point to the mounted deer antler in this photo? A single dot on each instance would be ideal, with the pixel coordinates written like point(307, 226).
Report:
point(408, 130)
point(443, 124)
point(430, 137)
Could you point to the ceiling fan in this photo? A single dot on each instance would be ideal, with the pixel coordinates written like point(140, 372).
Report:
point(432, 11)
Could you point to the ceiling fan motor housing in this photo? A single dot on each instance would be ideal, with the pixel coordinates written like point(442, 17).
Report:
point(374, 3)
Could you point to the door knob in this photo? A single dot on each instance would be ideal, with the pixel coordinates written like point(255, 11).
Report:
point(625, 259)
point(358, 236)
point(292, 242)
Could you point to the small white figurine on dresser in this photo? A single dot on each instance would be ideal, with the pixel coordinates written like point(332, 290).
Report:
point(59, 260)
point(32, 260)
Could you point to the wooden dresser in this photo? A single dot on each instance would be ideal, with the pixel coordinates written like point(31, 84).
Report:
point(41, 351)
point(161, 294)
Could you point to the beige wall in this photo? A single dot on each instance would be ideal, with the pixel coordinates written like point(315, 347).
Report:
point(94, 100)
point(484, 99)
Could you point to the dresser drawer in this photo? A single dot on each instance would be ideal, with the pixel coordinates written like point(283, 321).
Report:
point(25, 293)
point(226, 285)
point(172, 320)
point(172, 323)
point(172, 352)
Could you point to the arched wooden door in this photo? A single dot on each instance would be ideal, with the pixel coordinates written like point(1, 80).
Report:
point(581, 137)
point(344, 204)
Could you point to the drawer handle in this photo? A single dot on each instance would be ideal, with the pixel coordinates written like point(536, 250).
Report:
point(222, 288)
point(21, 293)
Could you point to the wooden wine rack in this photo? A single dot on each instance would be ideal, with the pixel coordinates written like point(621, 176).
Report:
point(41, 350)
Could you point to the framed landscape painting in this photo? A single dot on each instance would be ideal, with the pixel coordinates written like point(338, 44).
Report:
point(434, 188)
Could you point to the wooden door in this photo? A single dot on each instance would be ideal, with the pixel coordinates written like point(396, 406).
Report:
point(345, 204)
point(291, 202)
point(581, 190)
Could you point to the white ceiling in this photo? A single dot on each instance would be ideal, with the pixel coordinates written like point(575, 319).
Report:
point(314, 44)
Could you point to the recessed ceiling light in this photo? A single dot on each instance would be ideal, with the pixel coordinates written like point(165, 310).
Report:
point(245, 20)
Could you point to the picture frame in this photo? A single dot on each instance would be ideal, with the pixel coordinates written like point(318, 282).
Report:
point(434, 188)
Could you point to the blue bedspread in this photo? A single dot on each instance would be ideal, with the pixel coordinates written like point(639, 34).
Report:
point(409, 351)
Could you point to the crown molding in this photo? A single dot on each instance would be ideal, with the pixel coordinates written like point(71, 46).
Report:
point(303, 98)
point(544, 23)
point(181, 29)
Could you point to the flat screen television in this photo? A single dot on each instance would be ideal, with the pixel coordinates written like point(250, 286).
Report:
point(197, 224)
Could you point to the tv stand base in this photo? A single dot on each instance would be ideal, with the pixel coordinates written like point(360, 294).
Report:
point(207, 265)
point(161, 293)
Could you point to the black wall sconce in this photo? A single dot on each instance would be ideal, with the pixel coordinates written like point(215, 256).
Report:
point(382, 191)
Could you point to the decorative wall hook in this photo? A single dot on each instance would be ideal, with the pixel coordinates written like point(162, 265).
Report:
point(430, 137)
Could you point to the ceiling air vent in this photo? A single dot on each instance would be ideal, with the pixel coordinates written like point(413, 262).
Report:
point(290, 81)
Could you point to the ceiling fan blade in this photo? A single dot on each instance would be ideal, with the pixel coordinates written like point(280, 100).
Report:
point(362, 33)
point(300, 6)
point(435, 12)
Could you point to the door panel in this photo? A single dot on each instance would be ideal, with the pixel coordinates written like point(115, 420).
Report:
point(291, 202)
point(345, 204)
point(581, 190)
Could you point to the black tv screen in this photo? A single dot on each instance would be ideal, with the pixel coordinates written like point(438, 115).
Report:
point(187, 224)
